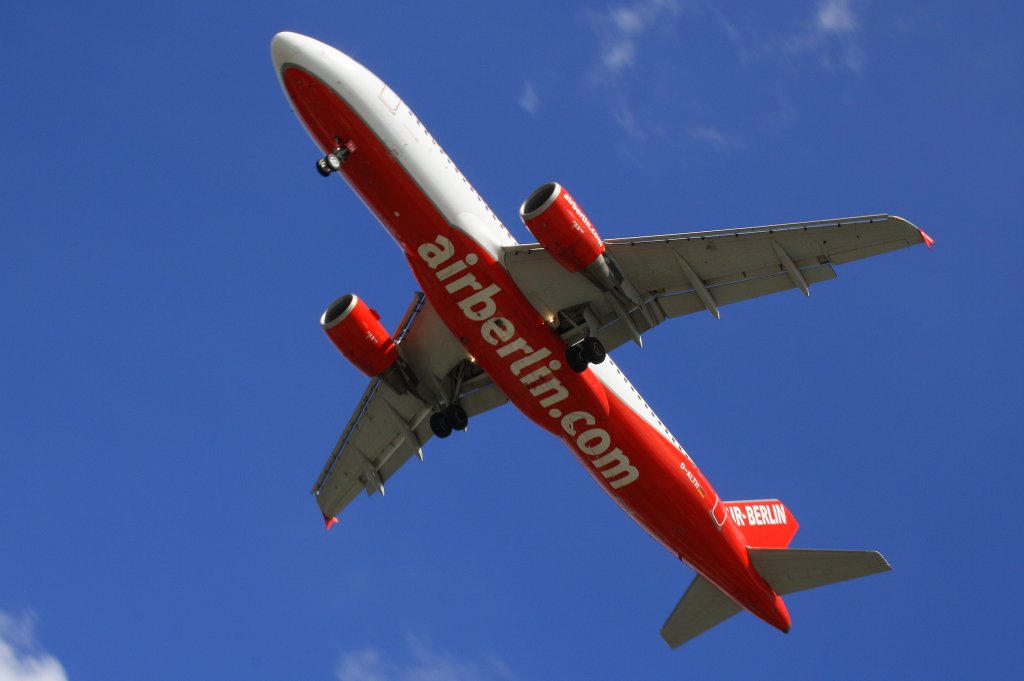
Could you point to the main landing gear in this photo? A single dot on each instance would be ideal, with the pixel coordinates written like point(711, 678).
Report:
point(453, 417)
point(333, 161)
point(588, 351)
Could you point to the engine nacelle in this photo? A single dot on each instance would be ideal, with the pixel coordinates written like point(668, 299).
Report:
point(356, 331)
point(561, 227)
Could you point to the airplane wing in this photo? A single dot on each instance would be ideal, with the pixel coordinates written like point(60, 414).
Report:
point(390, 426)
point(670, 275)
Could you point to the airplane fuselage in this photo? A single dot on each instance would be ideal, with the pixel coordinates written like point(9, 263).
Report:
point(453, 243)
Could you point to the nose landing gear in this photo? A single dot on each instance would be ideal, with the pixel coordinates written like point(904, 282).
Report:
point(333, 161)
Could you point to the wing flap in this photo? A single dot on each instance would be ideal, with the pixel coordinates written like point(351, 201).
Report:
point(613, 334)
point(676, 304)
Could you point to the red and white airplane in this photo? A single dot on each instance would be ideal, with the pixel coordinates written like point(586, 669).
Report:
point(500, 321)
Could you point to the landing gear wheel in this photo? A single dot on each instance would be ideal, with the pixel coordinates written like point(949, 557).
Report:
point(593, 350)
point(439, 425)
point(333, 161)
point(322, 167)
point(574, 356)
point(456, 417)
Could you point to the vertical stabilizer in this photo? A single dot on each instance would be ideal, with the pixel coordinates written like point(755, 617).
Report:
point(764, 522)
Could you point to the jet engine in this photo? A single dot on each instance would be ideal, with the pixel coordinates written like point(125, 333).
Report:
point(564, 230)
point(356, 331)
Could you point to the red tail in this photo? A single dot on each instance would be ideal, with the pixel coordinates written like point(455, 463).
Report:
point(766, 523)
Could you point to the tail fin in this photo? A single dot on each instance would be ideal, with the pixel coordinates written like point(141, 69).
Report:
point(701, 607)
point(764, 522)
point(768, 527)
point(792, 570)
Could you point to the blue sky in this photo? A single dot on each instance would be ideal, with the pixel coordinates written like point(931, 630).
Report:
point(167, 398)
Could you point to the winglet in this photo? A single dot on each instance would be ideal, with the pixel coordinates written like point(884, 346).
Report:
point(329, 521)
point(928, 241)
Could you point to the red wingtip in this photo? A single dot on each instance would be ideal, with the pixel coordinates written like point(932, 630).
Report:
point(928, 241)
point(329, 521)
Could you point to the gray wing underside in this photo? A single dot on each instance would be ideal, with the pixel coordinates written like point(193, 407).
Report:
point(389, 427)
point(679, 274)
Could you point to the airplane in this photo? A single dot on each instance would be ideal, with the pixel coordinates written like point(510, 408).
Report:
point(498, 321)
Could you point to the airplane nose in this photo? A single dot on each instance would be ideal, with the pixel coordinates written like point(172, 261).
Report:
point(284, 46)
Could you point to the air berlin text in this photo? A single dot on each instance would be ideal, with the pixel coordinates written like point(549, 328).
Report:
point(759, 514)
point(534, 367)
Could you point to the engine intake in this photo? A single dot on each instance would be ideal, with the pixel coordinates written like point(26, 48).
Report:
point(356, 331)
point(561, 227)
point(565, 231)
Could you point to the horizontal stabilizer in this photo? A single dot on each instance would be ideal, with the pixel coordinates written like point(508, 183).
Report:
point(792, 570)
point(702, 606)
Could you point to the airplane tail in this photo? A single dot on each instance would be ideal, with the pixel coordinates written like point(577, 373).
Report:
point(770, 527)
point(790, 570)
point(703, 606)
point(764, 522)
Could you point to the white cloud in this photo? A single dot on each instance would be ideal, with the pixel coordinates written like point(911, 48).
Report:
point(627, 120)
point(714, 137)
point(836, 16)
point(529, 100)
point(628, 19)
point(619, 29)
point(361, 665)
point(20, 658)
point(829, 34)
point(423, 663)
point(619, 56)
